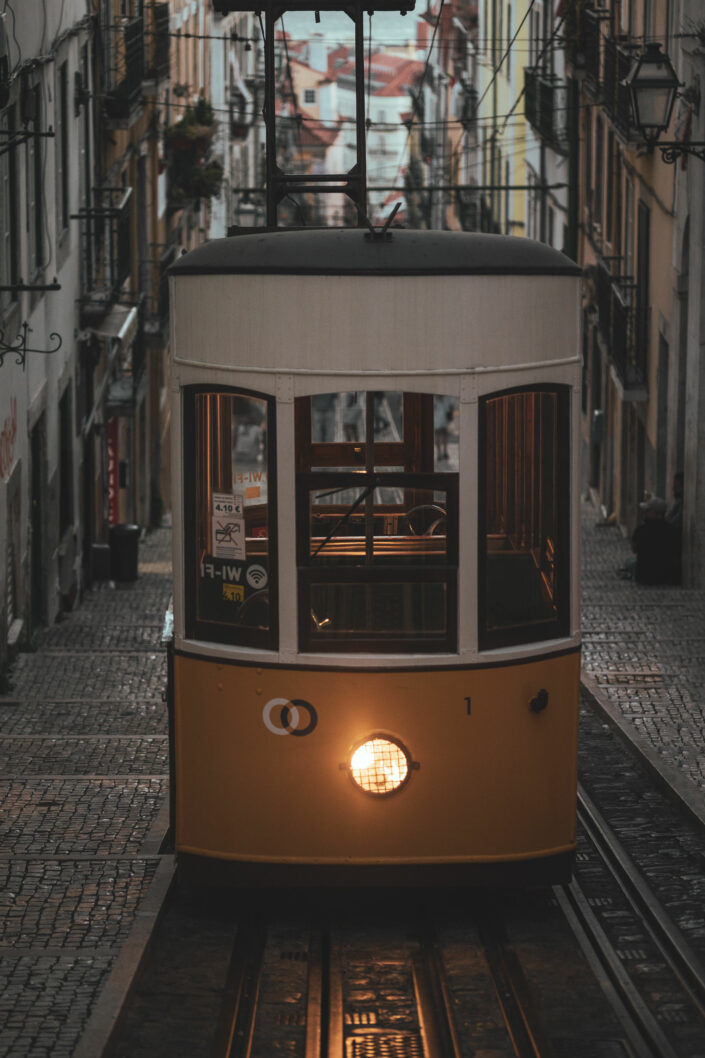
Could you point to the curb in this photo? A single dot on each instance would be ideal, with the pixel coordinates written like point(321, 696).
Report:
point(676, 785)
point(107, 1010)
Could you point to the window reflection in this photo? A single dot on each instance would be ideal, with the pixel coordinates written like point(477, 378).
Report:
point(343, 417)
point(445, 432)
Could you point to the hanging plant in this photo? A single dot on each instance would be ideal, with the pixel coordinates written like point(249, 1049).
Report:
point(195, 130)
point(191, 174)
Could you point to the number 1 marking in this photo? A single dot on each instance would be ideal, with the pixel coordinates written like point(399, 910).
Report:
point(468, 702)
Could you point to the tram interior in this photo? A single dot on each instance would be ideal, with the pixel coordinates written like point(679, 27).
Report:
point(376, 517)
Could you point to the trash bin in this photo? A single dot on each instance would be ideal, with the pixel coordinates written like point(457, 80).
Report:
point(124, 540)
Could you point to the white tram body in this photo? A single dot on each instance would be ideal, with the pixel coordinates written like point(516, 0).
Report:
point(375, 665)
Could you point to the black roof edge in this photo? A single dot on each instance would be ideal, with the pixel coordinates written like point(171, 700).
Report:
point(353, 252)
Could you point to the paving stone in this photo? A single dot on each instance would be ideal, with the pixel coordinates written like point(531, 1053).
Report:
point(65, 817)
point(70, 904)
point(45, 1002)
point(83, 718)
point(84, 756)
point(645, 647)
point(123, 677)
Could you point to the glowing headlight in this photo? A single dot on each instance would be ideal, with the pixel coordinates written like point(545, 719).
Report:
point(379, 765)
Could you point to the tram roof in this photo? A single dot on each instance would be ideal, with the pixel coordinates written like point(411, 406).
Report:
point(353, 251)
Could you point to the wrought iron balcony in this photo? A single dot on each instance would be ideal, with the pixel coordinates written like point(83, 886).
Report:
point(618, 304)
point(243, 112)
point(546, 107)
point(124, 64)
point(157, 45)
point(618, 60)
point(106, 248)
point(590, 29)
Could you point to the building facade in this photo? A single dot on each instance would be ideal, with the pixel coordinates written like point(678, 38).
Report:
point(112, 155)
point(641, 244)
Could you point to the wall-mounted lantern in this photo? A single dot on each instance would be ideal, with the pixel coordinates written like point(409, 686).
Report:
point(653, 86)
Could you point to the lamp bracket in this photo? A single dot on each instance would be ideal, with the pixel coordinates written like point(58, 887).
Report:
point(672, 151)
point(20, 348)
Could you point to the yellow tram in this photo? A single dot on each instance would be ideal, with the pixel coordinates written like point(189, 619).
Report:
point(374, 671)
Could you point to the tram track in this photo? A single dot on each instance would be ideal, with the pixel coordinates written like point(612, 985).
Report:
point(569, 972)
point(345, 994)
point(656, 982)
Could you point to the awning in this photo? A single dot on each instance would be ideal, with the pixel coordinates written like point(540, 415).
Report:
point(120, 324)
point(121, 395)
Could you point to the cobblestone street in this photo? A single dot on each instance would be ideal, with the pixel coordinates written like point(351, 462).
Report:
point(644, 655)
point(84, 748)
point(84, 751)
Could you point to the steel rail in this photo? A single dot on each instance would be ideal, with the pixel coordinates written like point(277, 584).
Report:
point(324, 1006)
point(674, 947)
point(639, 1023)
point(520, 1015)
point(235, 1028)
point(433, 1000)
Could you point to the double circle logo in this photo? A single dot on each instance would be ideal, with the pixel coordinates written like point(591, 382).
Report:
point(284, 716)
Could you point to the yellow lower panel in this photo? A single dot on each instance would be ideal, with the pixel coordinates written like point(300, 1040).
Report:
point(257, 781)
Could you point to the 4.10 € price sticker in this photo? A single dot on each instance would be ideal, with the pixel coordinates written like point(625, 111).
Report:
point(228, 525)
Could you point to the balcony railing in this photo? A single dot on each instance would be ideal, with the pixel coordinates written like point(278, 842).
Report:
point(124, 63)
point(618, 60)
point(545, 107)
point(617, 300)
point(157, 44)
point(106, 247)
point(590, 28)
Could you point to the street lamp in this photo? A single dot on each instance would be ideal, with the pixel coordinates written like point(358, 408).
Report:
point(652, 84)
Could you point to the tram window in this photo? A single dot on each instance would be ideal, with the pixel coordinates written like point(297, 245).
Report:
point(377, 526)
point(445, 432)
point(377, 561)
point(228, 552)
point(343, 417)
point(524, 504)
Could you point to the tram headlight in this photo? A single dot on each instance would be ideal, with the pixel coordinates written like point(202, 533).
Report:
point(380, 765)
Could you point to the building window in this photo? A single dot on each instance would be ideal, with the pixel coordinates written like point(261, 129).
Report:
point(8, 212)
point(309, 95)
point(599, 169)
point(609, 203)
point(65, 462)
point(35, 190)
point(587, 158)
point(62, 149)
point(628, 228)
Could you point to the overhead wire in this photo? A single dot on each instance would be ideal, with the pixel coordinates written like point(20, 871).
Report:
point(415, 100)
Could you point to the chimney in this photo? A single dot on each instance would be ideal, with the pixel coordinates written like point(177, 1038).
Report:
point(317, 53)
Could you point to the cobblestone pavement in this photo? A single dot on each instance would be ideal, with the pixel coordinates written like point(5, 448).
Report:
point(83, 749)
point(84, 756)
point(644, 656)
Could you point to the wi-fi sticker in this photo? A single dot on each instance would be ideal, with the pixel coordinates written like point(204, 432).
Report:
point(257, 576)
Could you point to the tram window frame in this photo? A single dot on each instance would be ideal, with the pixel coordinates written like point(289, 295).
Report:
point(407, 464)
point(197, 627)
point(408, 453)
point(539, 630)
